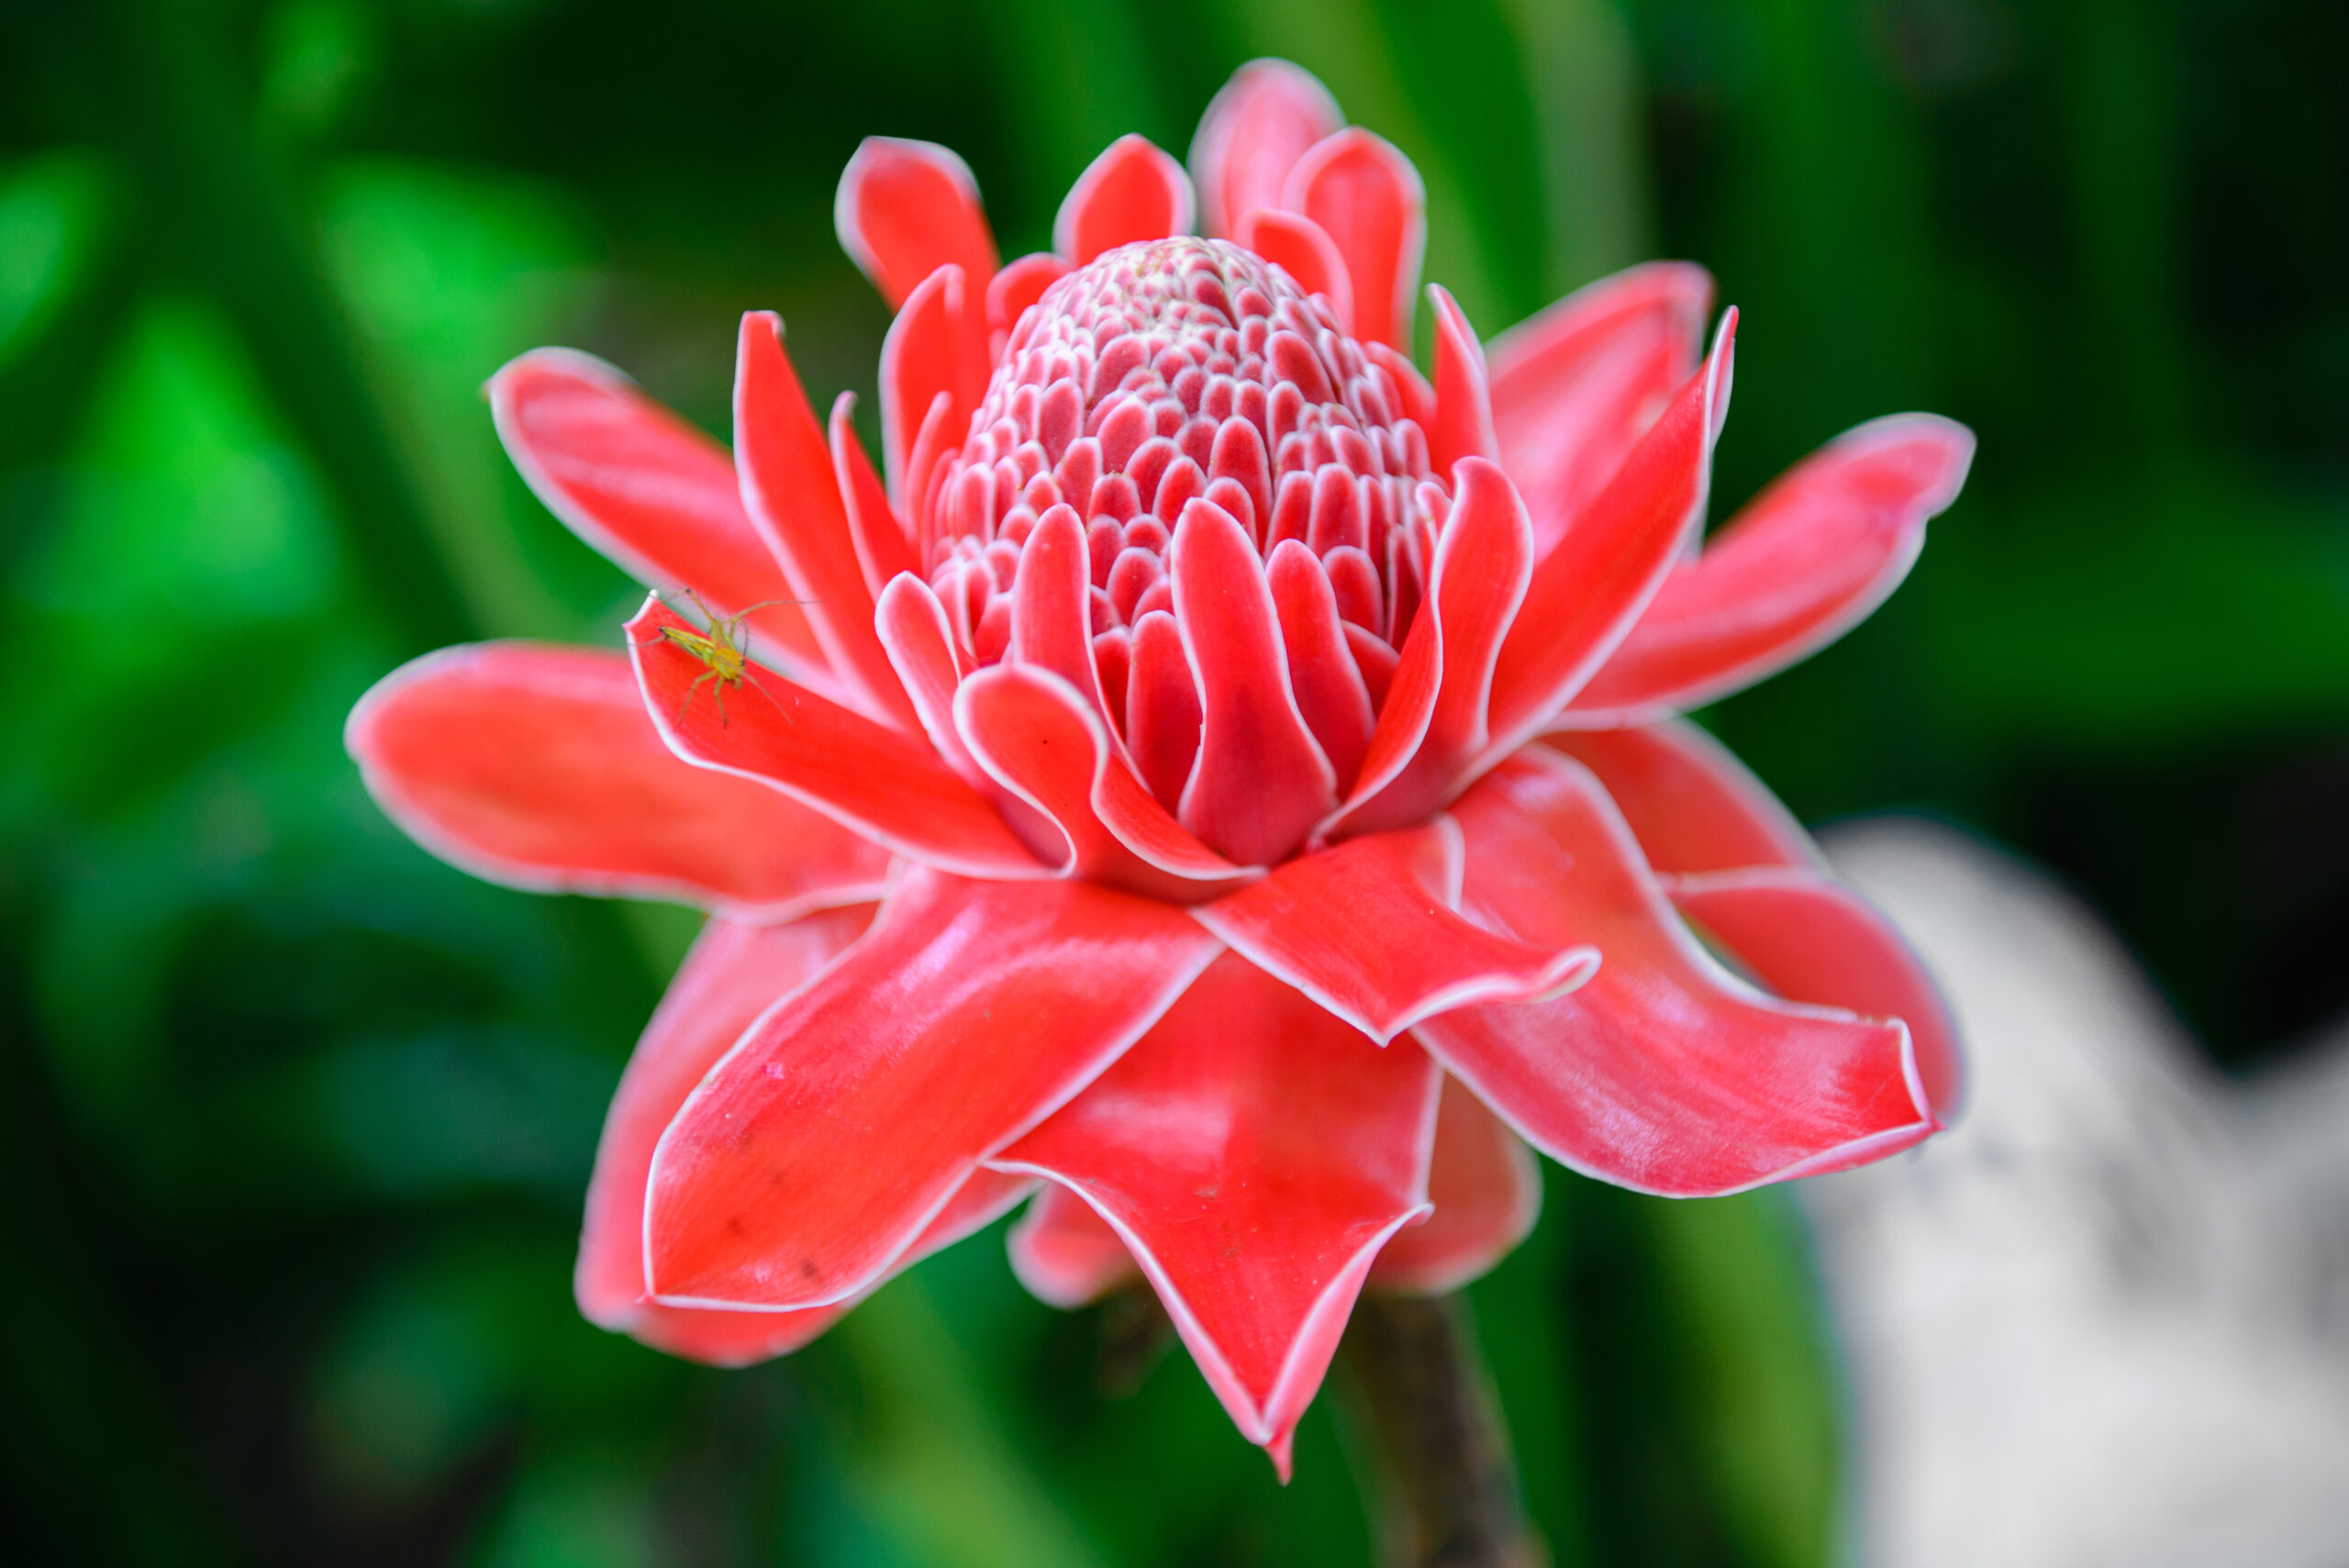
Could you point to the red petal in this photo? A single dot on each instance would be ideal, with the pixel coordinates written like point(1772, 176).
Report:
point(1691, 804)
point(1048, 610)
point(1261, 781)
point(1367, 930)
point(737, 1337)
point(1162, 707)
point(655, 495)
point(882, 549)
point(917, 494)
point(789, 488)
point(1487, 1190)
point(1299, 246)
point(937, 345)
point(850, 1115)
point(1365, 193)
point(1265, 118)
point(733, 1337)
point(716, 1336)
point(1463, 403)
point(1433, 723)
point(1806, 561)
point(1133, 191)
point(1586, 593)
point(1664, 1073)
point(1813, 940)
point(888, 786)
point(906, 208)
point(1373, 660)
point(1574, 387)
point(1331, 695)
point(1254, 1154)
point(733, 973)
point(1019, 286)
point(913, 629)
point(1065, 1253)
point(1041, 740)
point(1411, 388)
point(534, 766)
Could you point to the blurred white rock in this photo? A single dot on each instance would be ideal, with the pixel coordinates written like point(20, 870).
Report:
point(2105, 1320)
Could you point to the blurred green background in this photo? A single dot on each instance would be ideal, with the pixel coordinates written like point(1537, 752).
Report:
point(295, 1121)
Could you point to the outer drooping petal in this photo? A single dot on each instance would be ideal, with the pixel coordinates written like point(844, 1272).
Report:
point(1487, 1190)
point(655, 495)
point(1806, 561)
point(733, 973)
point(1690, 803)
point(1065, 1253)
point(1254, 131)
point(1575, 387)
point(1368, 931)
point(1255, 1153)
point(535, 766)
point(1811, 938)
point(889, 787)
point(1592, 585)
point(1664, 1073)
point(1736, 861)
point(852, 1113)
point(906, 208)
point(1481, 1179)
point(1133, 191)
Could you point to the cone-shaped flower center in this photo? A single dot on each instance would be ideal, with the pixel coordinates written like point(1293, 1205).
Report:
point(1170, 372)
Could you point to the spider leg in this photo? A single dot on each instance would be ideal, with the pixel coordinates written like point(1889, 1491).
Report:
point(685, 704)
point(772, 698)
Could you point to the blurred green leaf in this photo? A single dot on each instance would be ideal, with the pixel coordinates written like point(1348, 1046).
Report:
point(316, 55)
point(448, 275)
point(576, 1512)
point(927, 1465)
point(186, 517)
point(1759, 1387)
point(192, 508)
point(54, 212)
point(2155, 606)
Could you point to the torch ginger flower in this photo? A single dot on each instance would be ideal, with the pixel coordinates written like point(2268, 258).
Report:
point(1219, 787)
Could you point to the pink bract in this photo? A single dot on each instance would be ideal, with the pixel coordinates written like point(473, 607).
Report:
point(1210, 776)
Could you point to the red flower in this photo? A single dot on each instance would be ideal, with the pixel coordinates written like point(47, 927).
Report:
point(1218, 772)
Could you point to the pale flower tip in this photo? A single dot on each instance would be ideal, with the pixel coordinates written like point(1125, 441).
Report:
point(1280, 1451)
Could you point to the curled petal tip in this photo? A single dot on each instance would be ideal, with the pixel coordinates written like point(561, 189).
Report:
point(1281, 1451)
point(1364, 192)
point(1463, 403)
point(1133, 191)
point(1254, 130)
point(903, 209)
point(1248, 1111)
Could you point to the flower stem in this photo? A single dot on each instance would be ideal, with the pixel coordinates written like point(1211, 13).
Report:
point(1427, 1427)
